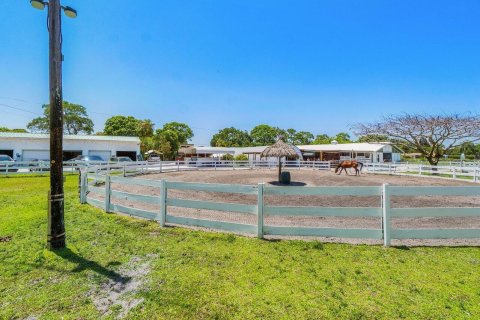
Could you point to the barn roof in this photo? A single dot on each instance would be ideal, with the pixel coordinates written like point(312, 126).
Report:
point(214, 150)
point(16, 135)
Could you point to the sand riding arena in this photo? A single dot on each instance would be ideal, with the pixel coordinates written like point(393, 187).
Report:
point(440, 219)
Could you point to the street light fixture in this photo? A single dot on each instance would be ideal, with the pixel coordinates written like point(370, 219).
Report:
point(56, 224)
point(40, 5)
point(70, 12)
point(37, 4)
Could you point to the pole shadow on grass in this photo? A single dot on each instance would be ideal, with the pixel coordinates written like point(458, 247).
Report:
point(85, 264)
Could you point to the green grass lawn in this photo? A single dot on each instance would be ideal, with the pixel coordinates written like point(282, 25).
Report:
point(201, 275)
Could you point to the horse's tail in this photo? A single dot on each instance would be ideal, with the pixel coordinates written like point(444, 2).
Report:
point(338, 166)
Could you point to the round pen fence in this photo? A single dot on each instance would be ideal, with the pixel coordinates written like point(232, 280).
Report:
point(462, 171)
point(265, 210)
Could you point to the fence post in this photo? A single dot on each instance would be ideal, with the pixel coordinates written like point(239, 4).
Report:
point(85, 186)
point(161, 166)
point(474, 174)
point(454, 172)
point(178, 165)
point(386, 223)
point(163, 202)
point(80, 187)
point(420, 169)
point(260, 210)
point(107, 193)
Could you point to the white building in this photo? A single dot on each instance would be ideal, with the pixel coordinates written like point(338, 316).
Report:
point(364, 152)
point(367, 152)
point(30, 146)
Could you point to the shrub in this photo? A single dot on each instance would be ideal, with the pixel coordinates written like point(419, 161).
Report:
point(241, 157)
point(227, 157)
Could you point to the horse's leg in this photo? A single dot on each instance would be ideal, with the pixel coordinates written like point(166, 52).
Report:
point(346, 172)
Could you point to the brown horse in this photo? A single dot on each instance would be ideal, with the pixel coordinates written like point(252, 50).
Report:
point(349, 164)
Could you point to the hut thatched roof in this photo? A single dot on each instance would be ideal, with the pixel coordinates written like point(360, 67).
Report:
point(279, 149)
point(187, 150)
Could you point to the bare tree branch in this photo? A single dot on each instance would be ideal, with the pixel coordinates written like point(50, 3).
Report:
point(431, 135)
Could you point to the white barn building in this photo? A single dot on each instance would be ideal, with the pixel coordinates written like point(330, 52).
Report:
point(364, 152)
point(32, 146)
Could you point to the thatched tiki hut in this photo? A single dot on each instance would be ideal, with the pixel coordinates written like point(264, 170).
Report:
point(279, 150)
point(187, 151)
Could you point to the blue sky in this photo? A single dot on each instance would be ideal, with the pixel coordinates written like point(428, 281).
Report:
point(311, 65)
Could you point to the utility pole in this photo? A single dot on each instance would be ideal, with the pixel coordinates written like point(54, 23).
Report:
point(56, 221)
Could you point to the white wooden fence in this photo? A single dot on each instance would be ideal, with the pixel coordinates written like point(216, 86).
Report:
point(94, 186)
point(135, 168)
point(8, 168)
point(471, 173)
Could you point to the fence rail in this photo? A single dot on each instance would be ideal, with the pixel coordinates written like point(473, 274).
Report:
point(100, 185)
point(456, 172)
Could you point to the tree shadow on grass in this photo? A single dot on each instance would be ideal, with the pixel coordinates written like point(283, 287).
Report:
point(85, 264)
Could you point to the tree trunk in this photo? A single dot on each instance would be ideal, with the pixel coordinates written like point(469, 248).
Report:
point(433, 162)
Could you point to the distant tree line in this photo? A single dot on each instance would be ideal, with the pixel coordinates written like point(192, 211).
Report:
point(264, 135)
point(166, 139)
point(433, 136)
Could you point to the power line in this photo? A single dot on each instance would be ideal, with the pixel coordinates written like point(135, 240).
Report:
point(20, 109)
point(93, 112)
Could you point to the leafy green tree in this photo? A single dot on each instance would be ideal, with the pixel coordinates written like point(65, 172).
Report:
point(184, 132)
point(264, 135)
point(343, 137)
point(322, 139)
point(241, 157)
point(75, 120)
point(5, 129)
point(146, 144)
point(300, 137)
point(231, 137)
point(470, 150)
point(373, 138)
point(290, 136)
point(227, 157)
point(303, 137)
point(145, 128)
point(128, 126)
point(164, 147)
point(167, 142)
